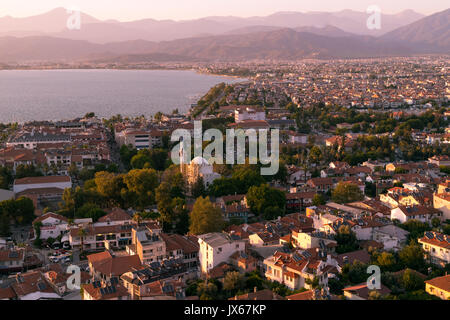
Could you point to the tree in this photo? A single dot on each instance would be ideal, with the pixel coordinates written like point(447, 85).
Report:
point(346, 240)
point(233, 282)
point(245, 176)
point(110, 186)
point(205, 217)
point(23, 171)
point(254, 280)
point(318, 200)
point(412, 256)
point(313, 283)
point(174, 178)
point(346, 192)
point(315, 155)
point(20, 211)
point(262, 197)
point(207, 290)
point(271, 213)
point(386, 261)
point(374, 295)
point(415, 228)
point(355, 273)
point(158, 116)
point(6, 177)
point(141, 159)
point(435, 222)
point(126, 154)
point(173, 213)
point(370, 189)
point(4, 225)
point(73, 170)
point(90, 210)
point(411, 281)
point(198, 189)
point(143, 184)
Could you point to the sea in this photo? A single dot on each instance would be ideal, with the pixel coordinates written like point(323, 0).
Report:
point(27, 95)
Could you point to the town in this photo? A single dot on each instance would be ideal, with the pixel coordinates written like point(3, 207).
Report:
point(363, 180)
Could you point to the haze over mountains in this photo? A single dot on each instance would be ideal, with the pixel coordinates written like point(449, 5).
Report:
point(53, 23)
point(284, 36)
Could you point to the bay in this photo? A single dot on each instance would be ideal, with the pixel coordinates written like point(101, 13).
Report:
point(27, 95)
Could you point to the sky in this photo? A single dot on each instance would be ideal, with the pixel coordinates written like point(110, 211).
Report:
point(127, 10)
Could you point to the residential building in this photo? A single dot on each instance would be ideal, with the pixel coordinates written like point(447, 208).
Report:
point(157, 280)
point(11, 260)
point(437, 247)
point(244, 113)
point(294, 269)
point(421, 213)
point(105, 266)
point(148, 244)
point(97, 291)
point(362, 292)
point(98, 237)
point(442, 203)
point(60, 182)
point(216, 248)
point(52, 226)
point(439, 287)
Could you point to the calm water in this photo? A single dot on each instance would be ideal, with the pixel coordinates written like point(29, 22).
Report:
point(67, 94)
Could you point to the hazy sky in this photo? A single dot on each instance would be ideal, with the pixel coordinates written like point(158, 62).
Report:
point(125, 10)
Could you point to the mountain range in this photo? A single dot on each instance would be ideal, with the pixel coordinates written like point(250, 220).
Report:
point(283, 36)
point(53, 24)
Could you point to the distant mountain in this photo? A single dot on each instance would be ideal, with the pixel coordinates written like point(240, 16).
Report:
point(347, 20)
point(328, 31)
point(110, 41)
point(54, 22)
point(431, 33)
point(283, 44)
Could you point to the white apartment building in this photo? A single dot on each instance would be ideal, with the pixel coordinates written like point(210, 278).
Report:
point(421, 213)
point(249, 113)
point(216, 248)
point(139, 139)
point(52, 225)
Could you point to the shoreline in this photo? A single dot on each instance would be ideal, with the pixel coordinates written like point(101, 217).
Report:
point(125, 69)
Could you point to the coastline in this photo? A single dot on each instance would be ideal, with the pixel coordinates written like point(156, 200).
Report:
point(184, 105)
point(156, 68)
